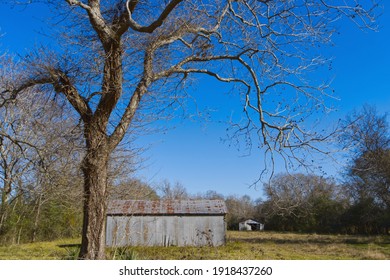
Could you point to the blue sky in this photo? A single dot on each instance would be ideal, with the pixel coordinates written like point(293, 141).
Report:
point(192, 151)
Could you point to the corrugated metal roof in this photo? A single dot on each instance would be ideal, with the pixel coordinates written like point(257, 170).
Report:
point(166, 207)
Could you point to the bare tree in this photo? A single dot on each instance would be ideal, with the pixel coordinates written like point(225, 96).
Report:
point(239, 209)
point(131, 188)
point(302, 202)
point(16, 145)
point(294, 195)
point(169, 192)
point(367, 137)
point(40, 150)
point(122, 55)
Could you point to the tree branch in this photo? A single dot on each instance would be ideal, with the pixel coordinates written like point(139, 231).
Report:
point(154, 25)
point(105, 33)
point(61, 84)
point(120, 130)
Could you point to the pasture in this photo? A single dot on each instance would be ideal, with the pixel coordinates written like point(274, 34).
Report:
point(239, 246)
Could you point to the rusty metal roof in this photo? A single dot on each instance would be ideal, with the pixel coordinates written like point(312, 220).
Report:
point(166, 207)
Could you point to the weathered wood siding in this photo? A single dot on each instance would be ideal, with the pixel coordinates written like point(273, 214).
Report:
point(174, 230)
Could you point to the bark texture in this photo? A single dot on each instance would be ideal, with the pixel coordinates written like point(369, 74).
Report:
point(94, 169)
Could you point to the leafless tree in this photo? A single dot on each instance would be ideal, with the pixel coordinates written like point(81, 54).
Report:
point(131, 188)
point(15, 145)
point(367, 138)
point(304, 202)
point(123, 55)
point(40, 149)
point(293, 195)
point(239, 209)
point(169, 192)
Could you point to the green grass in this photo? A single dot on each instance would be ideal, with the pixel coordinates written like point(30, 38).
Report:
point(280, 246)
point(240, 246)
point(54, 250)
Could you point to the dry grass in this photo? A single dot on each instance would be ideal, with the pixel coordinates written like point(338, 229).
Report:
point(240, 246)
point(280, 246)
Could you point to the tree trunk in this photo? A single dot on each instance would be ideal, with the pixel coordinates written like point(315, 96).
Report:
point(4, 207)
point(3, 217)
point(37, 216)
point(95, 165)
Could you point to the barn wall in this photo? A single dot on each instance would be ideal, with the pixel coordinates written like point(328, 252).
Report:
point(165, 231)
point(244, 226)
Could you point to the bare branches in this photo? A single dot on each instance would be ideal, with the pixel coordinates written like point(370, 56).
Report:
point(366, 137)
point(61, 84)
point(102, 28)
point(157, 23)
point(127, 117)
point(261, 47)
point(78, 3)
point(296, 196)
point(265, 48)
point(362, 16)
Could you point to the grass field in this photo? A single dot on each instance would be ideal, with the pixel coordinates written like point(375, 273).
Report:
point(240, 246)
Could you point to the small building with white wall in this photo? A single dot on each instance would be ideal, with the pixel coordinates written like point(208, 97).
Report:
point(250, 225)
point(166, 223)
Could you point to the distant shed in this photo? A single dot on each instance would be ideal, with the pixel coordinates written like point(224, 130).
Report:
point(166, 223)
point(250, 225)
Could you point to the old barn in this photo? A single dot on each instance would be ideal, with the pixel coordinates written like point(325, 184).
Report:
point(166, 223)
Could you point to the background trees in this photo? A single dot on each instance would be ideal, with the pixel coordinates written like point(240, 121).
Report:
point(40, 151)
point(357, 203)
point(169, 192)
point(368, 175)
point(239, 209)
point(369, 143)
point(298, 202)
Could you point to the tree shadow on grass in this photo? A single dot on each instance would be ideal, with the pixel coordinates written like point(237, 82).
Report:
point(313, 239)
point(69, 245)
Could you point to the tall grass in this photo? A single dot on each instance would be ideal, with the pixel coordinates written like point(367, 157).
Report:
point(122, 253)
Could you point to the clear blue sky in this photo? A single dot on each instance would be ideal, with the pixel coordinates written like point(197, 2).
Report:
point(192, 152)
